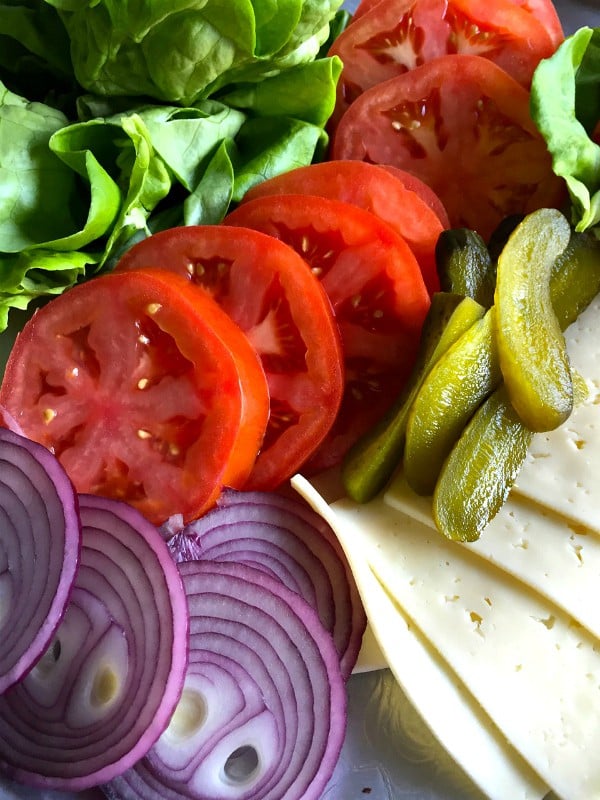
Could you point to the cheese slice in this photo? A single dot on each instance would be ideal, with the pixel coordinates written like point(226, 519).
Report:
point(562, 470)
point(444, 702)
point(534, 669)
point(551, 554)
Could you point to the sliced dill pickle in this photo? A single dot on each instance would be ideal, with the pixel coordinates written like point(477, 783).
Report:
point(456, 385)
point(481, 469)
point(371, 461)
point(464, 265)
point(531, 346)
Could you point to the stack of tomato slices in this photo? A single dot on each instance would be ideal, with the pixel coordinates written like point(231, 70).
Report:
point(234, 354)
point(441, 88)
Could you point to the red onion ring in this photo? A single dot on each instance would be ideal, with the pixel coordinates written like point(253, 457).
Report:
point(39, 552)
point(263, 710)
point(287, 539)
point(105, 689)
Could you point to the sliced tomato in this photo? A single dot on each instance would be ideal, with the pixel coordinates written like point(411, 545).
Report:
point(394, 36)
point(424, 191)
point(362, 8)
point(462, 124)
point(272, 294)
point(545, 11)
point(143, 388)
point(374, 189)
point(378, 295)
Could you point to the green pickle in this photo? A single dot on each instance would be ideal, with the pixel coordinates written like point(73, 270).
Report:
point(454, 388)
point(531, 346)
point(480, 470)
point(372, 460)
point(464, 265)
point(575, 279)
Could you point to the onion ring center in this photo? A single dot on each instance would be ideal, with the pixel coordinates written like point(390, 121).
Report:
point(189, 716)
point(242, 765)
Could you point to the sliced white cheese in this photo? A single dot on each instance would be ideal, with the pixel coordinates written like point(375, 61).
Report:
point(549, 553)
point(370, 657)
point(562, 470)
point(534, 670)
point(445, 703)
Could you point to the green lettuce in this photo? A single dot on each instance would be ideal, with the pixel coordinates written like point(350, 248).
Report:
point(565, 104)
point(181, 51)
point(34, 51)
point(35, 274)
point(43, 202)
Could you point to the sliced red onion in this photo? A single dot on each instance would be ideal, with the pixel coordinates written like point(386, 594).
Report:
point(106, 687)
point(286, 538)
point(263, 711)
point(39, 552)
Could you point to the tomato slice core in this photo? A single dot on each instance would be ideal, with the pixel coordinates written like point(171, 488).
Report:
point(144, 389)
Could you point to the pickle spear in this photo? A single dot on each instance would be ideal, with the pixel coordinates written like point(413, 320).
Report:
point(480, 469)
point(483, 465)
point(371, 461)
point(531, 346)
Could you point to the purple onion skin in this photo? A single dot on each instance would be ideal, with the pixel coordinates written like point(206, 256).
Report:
point(288, 539)
point(107, 686)
point(248, 631)
point(40, 544)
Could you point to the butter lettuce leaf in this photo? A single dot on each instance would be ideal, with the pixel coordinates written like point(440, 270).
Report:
point(34, 51)
point(181, 51)
point(34, 274)
point(42, 201)
point(305, 92)
point(565, 105)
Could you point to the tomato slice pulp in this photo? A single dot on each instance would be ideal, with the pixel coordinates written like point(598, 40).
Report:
point(143, 388)
point(377, 292)
point(270, 292)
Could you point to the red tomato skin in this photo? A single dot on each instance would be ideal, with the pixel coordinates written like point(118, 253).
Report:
point(378, 296)
point(395, 36)
point(272, 295)
point(145, 390)
point(475, 143)
point(374, 189)
point(545, 11)
point(425, 192)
